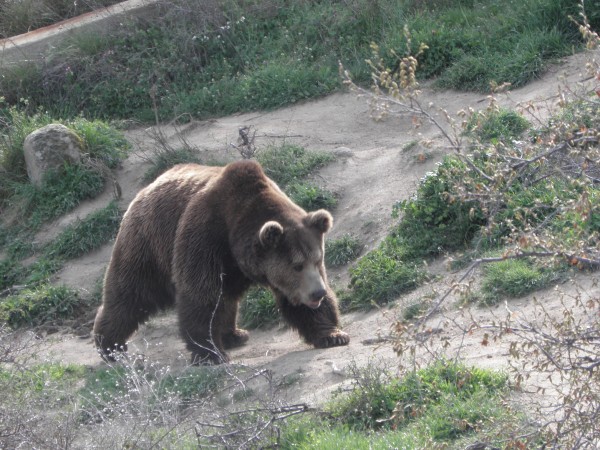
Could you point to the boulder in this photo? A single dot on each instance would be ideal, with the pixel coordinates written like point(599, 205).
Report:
point(49, 148)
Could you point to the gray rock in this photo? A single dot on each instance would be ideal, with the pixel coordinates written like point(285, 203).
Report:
point(49, 148)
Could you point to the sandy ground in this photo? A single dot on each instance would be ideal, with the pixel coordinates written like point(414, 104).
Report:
point(374, 169)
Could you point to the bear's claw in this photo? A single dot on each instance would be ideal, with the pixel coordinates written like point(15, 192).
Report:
point(333, 340)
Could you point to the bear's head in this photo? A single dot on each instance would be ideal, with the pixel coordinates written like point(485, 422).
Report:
point(293, 258)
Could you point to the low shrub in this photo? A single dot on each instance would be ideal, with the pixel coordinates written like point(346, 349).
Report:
point(497, 125)
point(435, 219)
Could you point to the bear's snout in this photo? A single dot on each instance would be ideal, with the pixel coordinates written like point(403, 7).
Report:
point(318, 295)
point(315, 298)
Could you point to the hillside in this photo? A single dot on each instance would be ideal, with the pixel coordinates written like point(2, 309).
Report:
point(372, 171)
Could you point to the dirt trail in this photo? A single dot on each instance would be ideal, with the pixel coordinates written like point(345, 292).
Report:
point(374, 168)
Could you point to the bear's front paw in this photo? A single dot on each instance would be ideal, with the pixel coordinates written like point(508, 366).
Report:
point(333, 340)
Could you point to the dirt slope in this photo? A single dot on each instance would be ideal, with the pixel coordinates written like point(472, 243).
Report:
point(372, 171)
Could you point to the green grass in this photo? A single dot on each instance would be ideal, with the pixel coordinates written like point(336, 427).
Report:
point(34, 306)
point(39, 387)
point(64, 188)
point(414, 310)
point(435, 220)
point(245, 56)
point(75, 240)
point(341, 251)
point(435, 405)
point(382, 275)
point(258, 309)
point(514, 278)
point(309, 196)
point(510, 41)
point(101, 141)
point(26, 15)
point(85, 235)
point(287, 163)
point(61, 191)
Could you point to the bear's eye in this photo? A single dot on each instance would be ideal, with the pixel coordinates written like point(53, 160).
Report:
point(297, 267)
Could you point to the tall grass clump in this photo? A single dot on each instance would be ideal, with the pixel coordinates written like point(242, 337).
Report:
point(288, 163)
point(164, 159)
point(382, 275)
point(497, 125)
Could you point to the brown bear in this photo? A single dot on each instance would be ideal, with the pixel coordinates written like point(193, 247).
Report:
point(197, 238)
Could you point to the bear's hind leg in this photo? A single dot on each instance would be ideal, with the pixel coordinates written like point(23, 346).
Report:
point(199, 326)
point(123, 311)
point(232, 336)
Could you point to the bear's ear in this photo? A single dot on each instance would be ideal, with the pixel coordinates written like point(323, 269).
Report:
point(321, 220)
point(270, 234)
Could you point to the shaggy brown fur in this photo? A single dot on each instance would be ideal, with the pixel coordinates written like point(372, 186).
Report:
point(196, 239)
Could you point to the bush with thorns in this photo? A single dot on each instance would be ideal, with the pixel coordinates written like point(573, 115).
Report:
point(539, 196)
